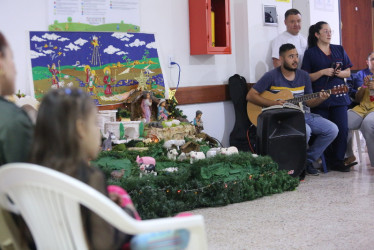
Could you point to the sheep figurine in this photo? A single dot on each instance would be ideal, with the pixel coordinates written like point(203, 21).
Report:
point(172, 154)
point(170, 123)
point(213, 152)
point(229, 151)
point(168, 144)
point(176, 122)
point(195, 156)
point(182, 157)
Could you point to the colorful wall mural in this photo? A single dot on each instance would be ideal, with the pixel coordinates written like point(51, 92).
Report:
point(109, 66)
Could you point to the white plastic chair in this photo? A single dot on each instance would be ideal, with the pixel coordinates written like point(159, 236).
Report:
point(356, 134)
point(49, 202)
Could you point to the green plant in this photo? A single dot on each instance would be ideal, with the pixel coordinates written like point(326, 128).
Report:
point(124, 113)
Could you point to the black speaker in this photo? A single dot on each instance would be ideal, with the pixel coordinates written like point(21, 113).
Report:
point(281, 135)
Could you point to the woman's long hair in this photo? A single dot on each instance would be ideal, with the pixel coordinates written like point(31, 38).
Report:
point(56, 140)
point(313, 29)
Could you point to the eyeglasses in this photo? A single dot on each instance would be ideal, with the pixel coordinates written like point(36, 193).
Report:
point(331, 32)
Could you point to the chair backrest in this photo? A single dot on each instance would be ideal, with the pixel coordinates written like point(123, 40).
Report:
point(49, 202)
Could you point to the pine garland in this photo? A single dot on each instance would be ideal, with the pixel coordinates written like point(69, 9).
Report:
point(243, 177)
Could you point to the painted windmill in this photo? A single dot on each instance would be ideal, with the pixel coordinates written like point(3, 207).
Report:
point(95, 52)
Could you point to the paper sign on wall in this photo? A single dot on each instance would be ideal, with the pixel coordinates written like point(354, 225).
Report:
point(94, 15)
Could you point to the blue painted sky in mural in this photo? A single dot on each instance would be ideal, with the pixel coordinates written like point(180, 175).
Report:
point(68, 47)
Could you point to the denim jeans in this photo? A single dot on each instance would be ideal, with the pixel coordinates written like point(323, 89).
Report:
point(324, 131)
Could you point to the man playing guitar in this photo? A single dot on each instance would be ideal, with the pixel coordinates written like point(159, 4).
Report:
point(289, 77)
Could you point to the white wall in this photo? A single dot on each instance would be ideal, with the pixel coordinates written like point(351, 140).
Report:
point(312, 14)
point(260, 36)
point(169, 20)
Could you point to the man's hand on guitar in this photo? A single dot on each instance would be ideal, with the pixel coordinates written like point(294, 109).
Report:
point(324, 95)
point(279, 102)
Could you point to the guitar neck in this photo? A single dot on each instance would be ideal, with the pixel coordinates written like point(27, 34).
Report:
point(303, 98)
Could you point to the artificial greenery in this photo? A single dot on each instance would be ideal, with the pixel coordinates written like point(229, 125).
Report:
point(122, 112)
point(174, 111)
point(216, 181)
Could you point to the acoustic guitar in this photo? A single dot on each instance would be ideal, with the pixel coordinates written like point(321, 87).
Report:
point(254, 110)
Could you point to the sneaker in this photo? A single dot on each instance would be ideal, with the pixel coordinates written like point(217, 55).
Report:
point(349, 160)
point(341, 167)
point(311, 170)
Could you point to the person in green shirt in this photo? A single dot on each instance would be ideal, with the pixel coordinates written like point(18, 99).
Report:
point(16, 128)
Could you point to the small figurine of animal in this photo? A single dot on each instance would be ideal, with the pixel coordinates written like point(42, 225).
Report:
point(147, 169)
point(107, 143)
point(145, 160)
point(176, 122)
point(194, 156)
point(229, 151)
point(172, 154)
point(168, 144)
point(213, 152)
point(182, 157)
point(117, 174)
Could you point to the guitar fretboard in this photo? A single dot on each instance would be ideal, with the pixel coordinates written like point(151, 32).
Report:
point(303, 98)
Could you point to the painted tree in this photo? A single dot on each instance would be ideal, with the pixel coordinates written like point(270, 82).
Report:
point(126, 59)
point(146, 54)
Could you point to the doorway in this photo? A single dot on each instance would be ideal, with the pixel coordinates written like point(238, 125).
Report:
point(357, 30)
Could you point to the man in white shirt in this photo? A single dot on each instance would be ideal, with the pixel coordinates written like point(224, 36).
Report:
point(292, 20)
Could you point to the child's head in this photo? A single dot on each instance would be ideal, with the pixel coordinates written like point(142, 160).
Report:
point(66, 133)
point(199, 114)
point(162, 103)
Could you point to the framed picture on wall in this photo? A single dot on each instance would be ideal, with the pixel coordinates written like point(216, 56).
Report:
point(270, 16)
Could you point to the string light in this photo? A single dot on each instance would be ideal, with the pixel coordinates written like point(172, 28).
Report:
point(201, 189)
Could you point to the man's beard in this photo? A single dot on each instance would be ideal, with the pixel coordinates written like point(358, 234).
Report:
point(287, 67)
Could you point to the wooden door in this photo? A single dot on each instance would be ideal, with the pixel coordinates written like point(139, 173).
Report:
point(357, 30)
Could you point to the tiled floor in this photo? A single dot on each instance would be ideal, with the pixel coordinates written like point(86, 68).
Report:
point(329, 211)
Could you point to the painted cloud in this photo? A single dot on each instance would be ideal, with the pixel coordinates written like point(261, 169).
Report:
point(63, 39)
point(137, 43)
point(37, 39)
point(80, 42)
point(72, 47)
point(111, 50)
point(35, 54)
point(151, 45)
point(52, 36)
point(122, 53)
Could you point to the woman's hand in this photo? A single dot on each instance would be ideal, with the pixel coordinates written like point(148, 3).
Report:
point(328, 71)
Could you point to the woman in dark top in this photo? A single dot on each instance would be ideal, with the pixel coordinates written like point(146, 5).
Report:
point(16, 128)
point(328, 65)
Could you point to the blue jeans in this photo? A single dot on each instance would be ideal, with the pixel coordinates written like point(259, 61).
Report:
point(324, 131)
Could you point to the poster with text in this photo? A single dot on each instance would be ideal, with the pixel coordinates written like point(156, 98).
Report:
point(94, 15)
point(109, 66)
